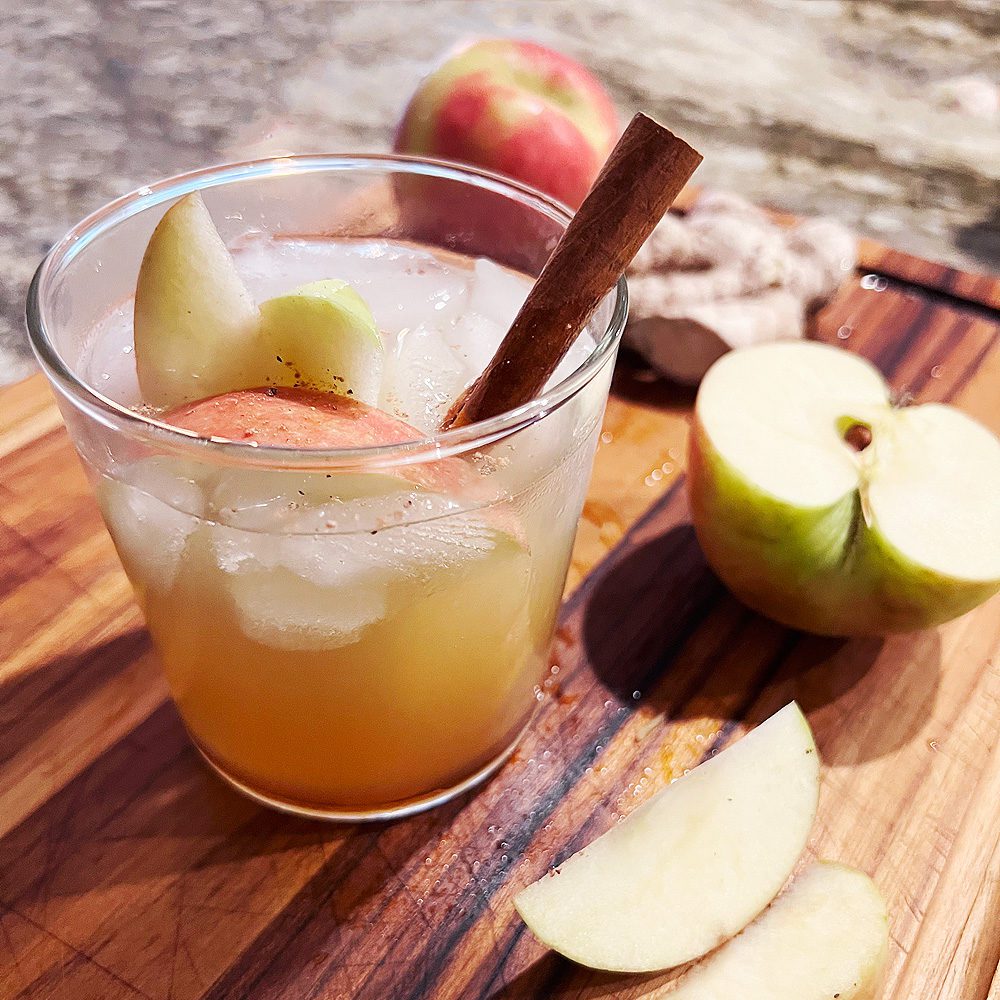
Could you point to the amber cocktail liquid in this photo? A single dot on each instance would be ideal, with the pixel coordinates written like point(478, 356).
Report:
point(348, 634)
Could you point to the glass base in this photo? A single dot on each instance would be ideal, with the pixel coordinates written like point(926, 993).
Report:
point(392, 810)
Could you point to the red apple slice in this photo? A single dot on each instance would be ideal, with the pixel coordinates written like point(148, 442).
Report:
point(306, 418)
point(287, 417)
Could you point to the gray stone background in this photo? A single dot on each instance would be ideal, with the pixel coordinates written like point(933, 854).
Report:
point(880, 112)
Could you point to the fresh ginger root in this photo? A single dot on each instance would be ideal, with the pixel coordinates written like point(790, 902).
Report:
point(725, 276)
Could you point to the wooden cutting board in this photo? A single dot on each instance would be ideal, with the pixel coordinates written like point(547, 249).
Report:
point(128, 871)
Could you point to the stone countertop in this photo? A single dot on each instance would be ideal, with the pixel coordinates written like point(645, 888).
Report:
point(882, 113)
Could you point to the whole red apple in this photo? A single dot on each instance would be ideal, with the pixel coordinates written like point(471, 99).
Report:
point(518, 109)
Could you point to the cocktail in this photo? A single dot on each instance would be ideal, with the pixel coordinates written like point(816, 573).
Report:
point(353, 608)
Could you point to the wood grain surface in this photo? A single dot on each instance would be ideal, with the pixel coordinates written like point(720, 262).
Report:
point(128, 871)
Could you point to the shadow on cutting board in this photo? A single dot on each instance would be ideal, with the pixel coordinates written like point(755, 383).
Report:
point(635, 381)
point(556, 978)
point(661, 631)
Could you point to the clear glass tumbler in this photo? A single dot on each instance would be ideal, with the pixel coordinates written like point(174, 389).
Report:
point(355, 633)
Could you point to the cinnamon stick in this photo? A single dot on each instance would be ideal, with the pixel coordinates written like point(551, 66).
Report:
point(643, 175)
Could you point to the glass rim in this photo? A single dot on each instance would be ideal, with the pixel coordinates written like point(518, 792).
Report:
point(431, 447)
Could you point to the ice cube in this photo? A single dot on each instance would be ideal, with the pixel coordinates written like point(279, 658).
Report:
point(305, 503)
point(272, 266)
point(422, 377)
point(151, 508)
point(308, 587)
point(495, 295)
point(411, 286)
point(473, 341)
point(497, 292)
point(295, 591)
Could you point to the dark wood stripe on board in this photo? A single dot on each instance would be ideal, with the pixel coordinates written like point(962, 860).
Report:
point(962, 289)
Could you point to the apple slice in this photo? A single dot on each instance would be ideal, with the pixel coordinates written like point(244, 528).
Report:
point(806, 528)
point(827, 936)
point(195, 321)
point(692, 866)
point(198, 332)
point(323, 336)
point(306, 418)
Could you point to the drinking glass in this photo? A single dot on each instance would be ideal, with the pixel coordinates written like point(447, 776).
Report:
point(348, 634)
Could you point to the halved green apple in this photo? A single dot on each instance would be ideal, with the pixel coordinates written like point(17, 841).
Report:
point(825, 507)
point(194, 318)
point(692, 866)
point(198, 332)
point(826, 936)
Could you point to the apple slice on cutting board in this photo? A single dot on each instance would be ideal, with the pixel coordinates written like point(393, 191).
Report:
point(825, 507)
point(199, 333)
point(691, 867)
point(826, 936)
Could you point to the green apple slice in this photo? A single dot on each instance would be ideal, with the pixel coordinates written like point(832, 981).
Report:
point(816, 534)
point(827, 936)
point(198, 332)
point(692, 866)
point(322, 336)
point(195, 321)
